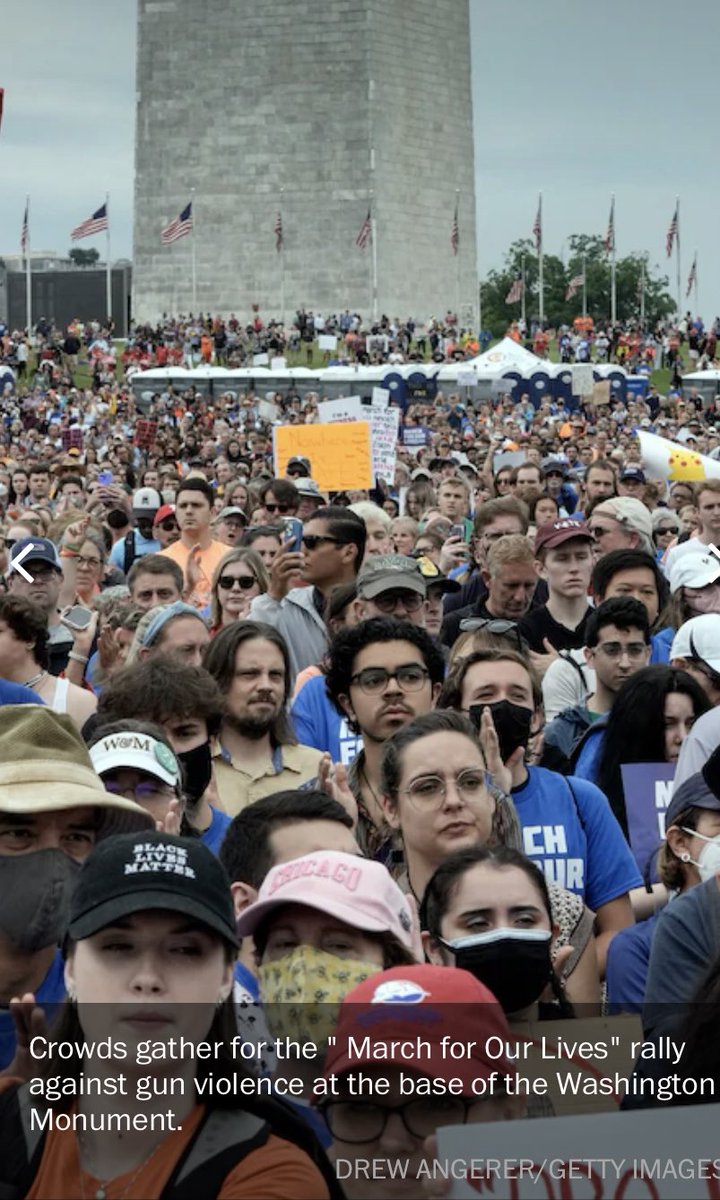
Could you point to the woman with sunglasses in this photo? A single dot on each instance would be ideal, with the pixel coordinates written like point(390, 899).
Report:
point(240, 576)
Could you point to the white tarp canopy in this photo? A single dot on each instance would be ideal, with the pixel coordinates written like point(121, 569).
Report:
point(507, 355)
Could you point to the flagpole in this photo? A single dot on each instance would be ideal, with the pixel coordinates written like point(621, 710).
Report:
point(28, 274)
point(282, 262)
point(541, 284)
point(457, 263)
point(642, 295)
point(374, 260)
point(194, 258)
point(613, 279)
point(677, 252)
point(584, 262)
point(695, 281)
point(108, 272)
point(523, 312)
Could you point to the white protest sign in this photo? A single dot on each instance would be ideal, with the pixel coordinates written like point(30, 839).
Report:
point(466, 377)
point(607, 1156)
point(380, 397)
point(384, 437)
point(268, 412)
point(260, 360)
point(278, 364)
point(327, 341)
point(347, 408)
point(582, 379)
point(508, 458)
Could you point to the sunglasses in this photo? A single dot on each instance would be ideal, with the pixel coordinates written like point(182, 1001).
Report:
point(281, 508)
point(226, 582)
point(311, 541)
point(496, 627)
point(168, 526)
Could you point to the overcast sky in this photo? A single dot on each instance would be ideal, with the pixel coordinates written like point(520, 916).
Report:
point(575, 100)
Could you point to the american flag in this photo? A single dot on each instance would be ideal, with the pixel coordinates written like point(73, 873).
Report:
point(25, 232)
point(672, 233)
point(278, 232)
point(363, 237)
point(516, 290)
point(574, 285)
point(455, 233)
point(537, 227)
point(2, 100)
point(692, 277)
point(178, 228)
point(94, 224)
point(610, 235)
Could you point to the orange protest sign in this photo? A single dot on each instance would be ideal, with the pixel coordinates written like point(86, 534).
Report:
point(340, 454)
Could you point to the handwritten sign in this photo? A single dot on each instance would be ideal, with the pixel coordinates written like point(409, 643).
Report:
point(647, 788)
point(268, 411)
point(582, 379)
point(384, 435)
point(467, 377)
point(346, 408)
point(610, 1156)
point(380, 397)
point(327, 341)
point(601, 392)
point(340, 453)
point(260, 360)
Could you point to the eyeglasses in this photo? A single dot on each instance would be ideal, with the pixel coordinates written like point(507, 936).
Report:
point(616, 650)
point(87, 562)
point(600, 531)
point(359, 1121)
point(374, 680)
point(168, 526)
point(387, 602)
point(142, 792)
point(281, 508)
point(226, 582)
point(311, 541)
point(430, 791)
point(495, 626)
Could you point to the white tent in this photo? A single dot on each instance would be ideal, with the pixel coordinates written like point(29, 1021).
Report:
point(507, 355)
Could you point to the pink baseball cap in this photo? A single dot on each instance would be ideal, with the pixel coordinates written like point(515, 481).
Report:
point(355, 890)
point(428, 1002)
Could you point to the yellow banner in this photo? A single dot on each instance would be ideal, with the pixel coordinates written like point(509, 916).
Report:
point(340, 455)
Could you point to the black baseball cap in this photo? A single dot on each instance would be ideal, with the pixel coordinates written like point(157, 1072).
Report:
point(134, 872)
point(632, 473)
point(42, 550)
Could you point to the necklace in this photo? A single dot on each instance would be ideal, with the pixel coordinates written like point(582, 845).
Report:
point(101, 1192)
point(36, 679)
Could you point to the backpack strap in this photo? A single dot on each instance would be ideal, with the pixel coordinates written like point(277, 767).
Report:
point(129, 554)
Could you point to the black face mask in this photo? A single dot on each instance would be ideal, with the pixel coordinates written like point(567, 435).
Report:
point(197, 771)
point(514, 964)
point(512, 724)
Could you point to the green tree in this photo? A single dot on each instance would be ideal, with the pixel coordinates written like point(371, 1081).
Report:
point(587, 251)
point(83, 258)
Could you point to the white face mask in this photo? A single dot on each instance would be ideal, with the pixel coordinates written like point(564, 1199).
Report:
point(708, 863)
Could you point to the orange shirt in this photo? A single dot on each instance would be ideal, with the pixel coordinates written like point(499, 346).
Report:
point(275, 1171)
point(210, 559)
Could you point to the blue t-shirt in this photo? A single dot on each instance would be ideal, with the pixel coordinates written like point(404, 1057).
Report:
point(628, 960)
point(318, 723)
point(215, 832)
point(50, 991)
point(143, 546)
point(17, 693)
point(571, 833)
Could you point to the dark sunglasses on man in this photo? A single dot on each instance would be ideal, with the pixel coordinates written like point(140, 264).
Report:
point(497, 627)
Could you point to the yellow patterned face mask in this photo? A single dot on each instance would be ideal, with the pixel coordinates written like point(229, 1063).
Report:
point(302, 992)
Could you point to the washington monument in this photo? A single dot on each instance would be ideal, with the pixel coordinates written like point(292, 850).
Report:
point(287, 124)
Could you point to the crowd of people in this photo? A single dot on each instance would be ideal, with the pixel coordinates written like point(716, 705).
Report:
point(272, 759)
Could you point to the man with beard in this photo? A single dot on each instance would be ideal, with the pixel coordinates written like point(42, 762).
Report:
point(255, 752)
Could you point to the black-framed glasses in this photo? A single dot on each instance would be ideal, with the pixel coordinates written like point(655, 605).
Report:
point(387, 602)
point(227, 582)
point(374, 680)
point(311, 541)
point(356, 1121)
point(428, 792)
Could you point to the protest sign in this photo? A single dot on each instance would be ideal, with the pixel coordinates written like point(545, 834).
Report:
point(268, 411)
point(145, 433)
point(647, 788)
point(658, 1155)
point(466, 377)
point(601, 392)
point(340, 453)
point(582, 379)
point(347, 408)
point(260, 360)
point(663, 459)
point(380, 397)
point(327, 341)
point(384, 434)
point(414, 436)
point(278, 364)
point(508, 458)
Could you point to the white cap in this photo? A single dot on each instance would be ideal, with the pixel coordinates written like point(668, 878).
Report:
point(117, 751)
point(146, 500)
point(694, 570)
point(699, 638)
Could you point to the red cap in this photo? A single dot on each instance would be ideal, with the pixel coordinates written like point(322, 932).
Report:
point(562, 530)
point(167, 510)
point(427, 1003)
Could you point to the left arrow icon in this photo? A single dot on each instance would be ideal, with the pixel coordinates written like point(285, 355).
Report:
point(15, 563)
